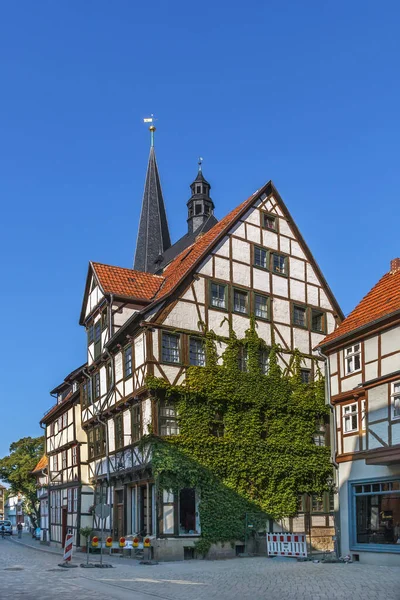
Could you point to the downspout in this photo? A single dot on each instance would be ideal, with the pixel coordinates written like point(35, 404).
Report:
point(333, 430)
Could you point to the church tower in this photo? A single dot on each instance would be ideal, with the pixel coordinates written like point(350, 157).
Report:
point(200, 206)
point(153, 234)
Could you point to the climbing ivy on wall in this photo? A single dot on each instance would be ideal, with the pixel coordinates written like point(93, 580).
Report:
point(246, 439)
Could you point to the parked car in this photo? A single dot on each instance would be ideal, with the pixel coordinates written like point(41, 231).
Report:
point(7, 527)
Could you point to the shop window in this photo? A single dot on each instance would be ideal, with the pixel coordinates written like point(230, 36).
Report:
point(377, 513)
point(187, 512)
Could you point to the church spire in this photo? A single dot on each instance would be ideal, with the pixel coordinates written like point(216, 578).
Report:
point(153, 235)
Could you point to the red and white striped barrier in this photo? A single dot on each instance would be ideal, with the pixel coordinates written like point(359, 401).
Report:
point(287, 544)
point(68, 547)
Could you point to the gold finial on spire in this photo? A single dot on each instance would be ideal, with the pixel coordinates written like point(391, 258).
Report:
point(199, 162)
point(152, 128)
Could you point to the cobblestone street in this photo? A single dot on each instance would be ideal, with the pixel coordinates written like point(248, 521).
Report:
point(30, 574)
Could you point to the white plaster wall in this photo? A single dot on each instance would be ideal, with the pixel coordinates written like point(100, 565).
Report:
point(311, 276)
point(382, 431)
point(296, 249)
point(301, 340)
point(297, 290)
point(260, 280)
point(284, 243)
point(206, 267)
point(270, 239)
point(128, 386)
point(264, 331)
point(333, 362)
point(215, 318)
point(223, 247)
point(253, 234)
point(284, 331)
point(330, 322)
point(111, 435)
point(183, 315)
point(297, 268)
point(199, 289)
point(127, 426)
point(390, 364)
point(334, 385)
point(378, 403)
point(371, 348)
point(351, 443)
point(371, 370)
point(139, 343)
point(118, 366)
point(239, 230)
point(323, 300)
point(188, 295)
point(240, 325)
point(241, 250)
point(351, 382)
point(221, 268)
point(390, 341)
point(312, 295)
point(253, 215)
point(280, 286)
point(285, 229)
point(282, 311)
point(241, 274)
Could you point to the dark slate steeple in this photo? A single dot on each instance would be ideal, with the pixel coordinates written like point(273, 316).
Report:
point(200, 206)
point(153, 235)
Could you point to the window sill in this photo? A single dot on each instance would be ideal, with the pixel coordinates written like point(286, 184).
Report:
point(128, 376)
point(304, 327)
point(211, 306)
point(239, 312)
point(261, 268)
point(285, 275)
point(386, 548)
point(318, 331)
point(173, 364)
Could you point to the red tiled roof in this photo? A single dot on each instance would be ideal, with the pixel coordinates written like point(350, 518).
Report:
point(42, 464)
point(127, 282)
point(185, 261)
point(135, 284)
point(381, 301)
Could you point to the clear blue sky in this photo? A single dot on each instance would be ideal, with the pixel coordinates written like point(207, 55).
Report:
point(303, 93)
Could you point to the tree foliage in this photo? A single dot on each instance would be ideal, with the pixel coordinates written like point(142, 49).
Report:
point(265, 456)
point(16, 469)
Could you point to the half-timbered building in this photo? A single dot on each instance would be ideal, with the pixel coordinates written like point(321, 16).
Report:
point(150, 320)
point(364, 372)
point(69, 495)
point(41, 473)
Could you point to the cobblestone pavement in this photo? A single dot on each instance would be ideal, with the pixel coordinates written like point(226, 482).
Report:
point(39, 578)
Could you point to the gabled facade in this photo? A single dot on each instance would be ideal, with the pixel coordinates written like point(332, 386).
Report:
point(41, 472)
point(252, 262)
point(364, 370)
point(69, 495)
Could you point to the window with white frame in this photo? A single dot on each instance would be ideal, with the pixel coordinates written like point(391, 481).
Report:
point(74, 455)
point(350, 418)
point(352, 359)
point(75, 500)
point(69, 500)
point(395, 400)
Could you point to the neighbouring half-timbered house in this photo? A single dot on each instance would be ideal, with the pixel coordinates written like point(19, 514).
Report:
point(41, 472)
point(150, 320)
point(364, 371)
point(69, 494)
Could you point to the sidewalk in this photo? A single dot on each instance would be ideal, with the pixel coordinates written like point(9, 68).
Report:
point(80, 557)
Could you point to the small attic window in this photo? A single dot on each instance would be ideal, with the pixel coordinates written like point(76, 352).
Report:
point(198, 189)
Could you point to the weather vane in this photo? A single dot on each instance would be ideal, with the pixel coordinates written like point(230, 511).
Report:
point(199, 162)
point(152, 128)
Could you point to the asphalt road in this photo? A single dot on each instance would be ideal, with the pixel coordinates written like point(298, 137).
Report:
point(29, 574)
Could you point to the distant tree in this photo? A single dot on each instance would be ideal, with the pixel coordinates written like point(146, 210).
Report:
point(16, 470)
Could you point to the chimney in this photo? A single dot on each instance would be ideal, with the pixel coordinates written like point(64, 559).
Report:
point(395, 265)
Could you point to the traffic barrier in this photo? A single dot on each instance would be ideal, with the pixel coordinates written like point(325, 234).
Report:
point(95, 541)
point(122, 542)
point(68, 547)
point(287, 544)
point(109, 542)
point(147, 542)
point(135, 542)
